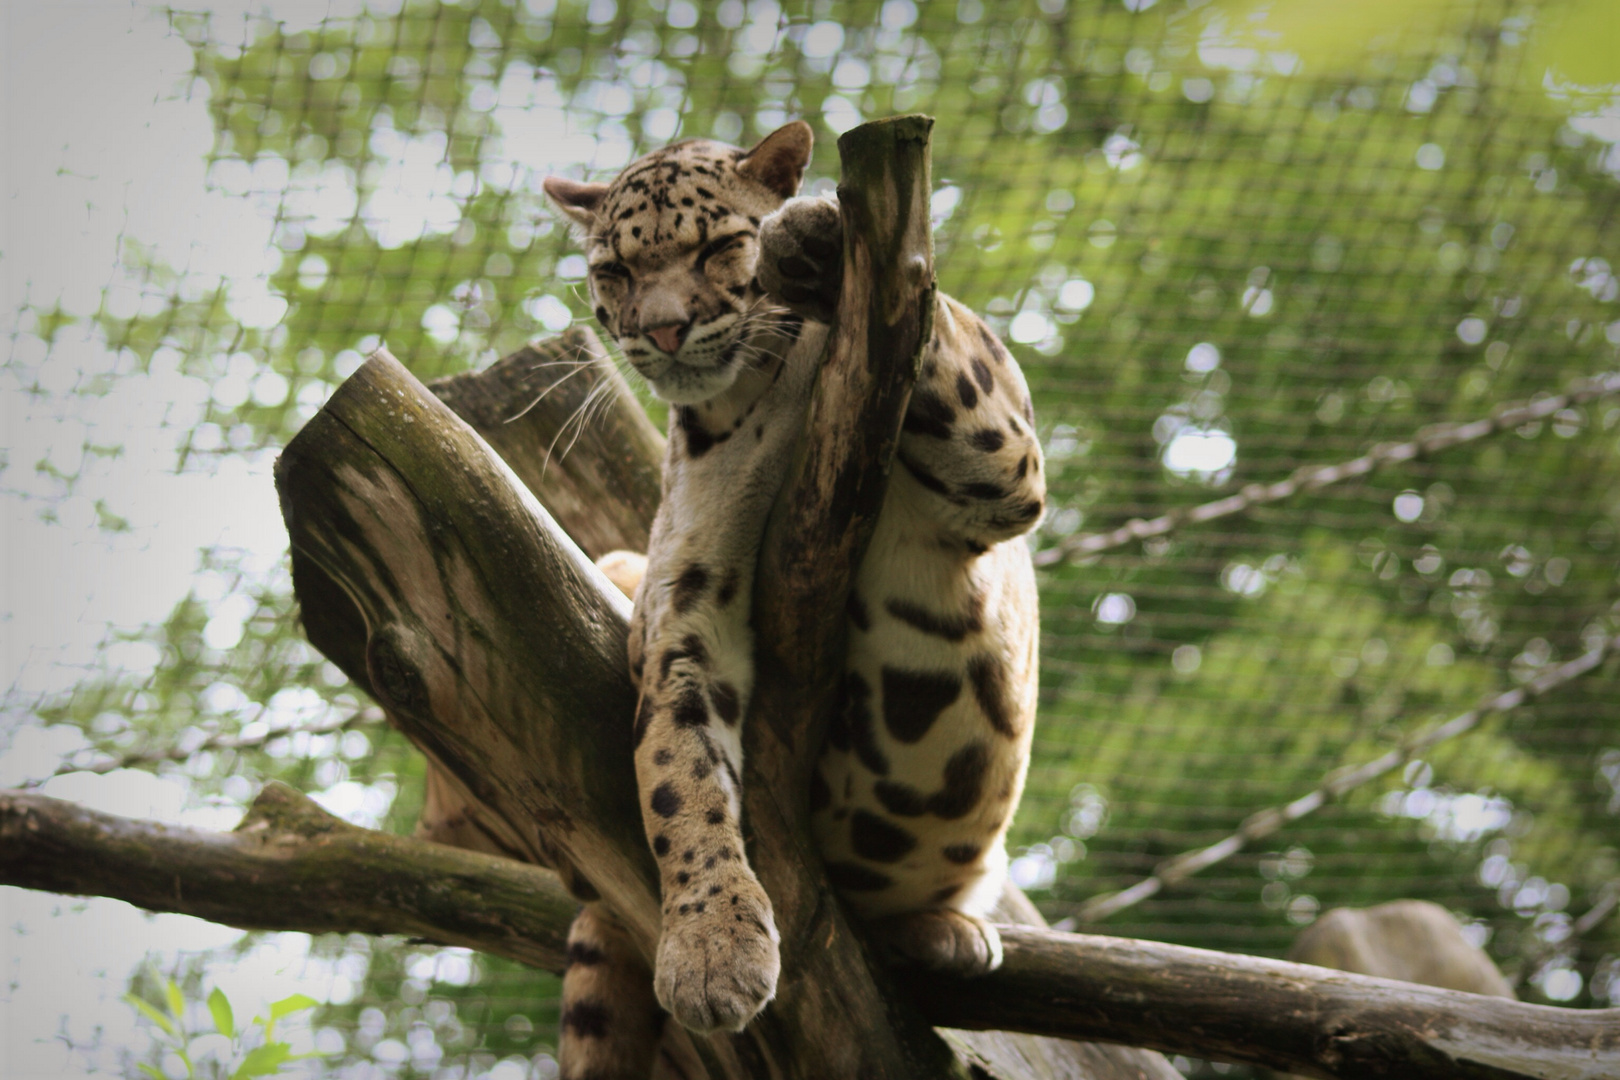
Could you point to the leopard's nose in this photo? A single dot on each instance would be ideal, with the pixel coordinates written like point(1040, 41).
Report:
point(669, 336)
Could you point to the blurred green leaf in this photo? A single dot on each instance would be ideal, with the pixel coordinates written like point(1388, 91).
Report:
point(219, 1007)
point(263, 1060)
point(152, 1013)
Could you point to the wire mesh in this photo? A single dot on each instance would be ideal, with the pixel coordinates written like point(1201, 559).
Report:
point(1221, 253)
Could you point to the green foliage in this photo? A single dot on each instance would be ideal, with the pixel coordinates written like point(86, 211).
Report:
point(228, 1052)
point(1222, 248)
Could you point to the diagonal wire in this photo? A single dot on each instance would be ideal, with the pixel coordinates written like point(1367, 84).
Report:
point(1265, 822)
point(181, 751)
point(1315, 477)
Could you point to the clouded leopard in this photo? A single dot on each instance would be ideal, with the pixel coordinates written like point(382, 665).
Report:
point(718, 286)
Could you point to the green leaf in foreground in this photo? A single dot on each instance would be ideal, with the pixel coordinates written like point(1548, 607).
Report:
point(151, 1012)
point(219, 1007)
point(263, 1060)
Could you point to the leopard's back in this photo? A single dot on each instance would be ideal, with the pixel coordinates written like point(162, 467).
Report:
point(926, 758)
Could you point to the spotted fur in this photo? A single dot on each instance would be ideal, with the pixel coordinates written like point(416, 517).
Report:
point(717, 283)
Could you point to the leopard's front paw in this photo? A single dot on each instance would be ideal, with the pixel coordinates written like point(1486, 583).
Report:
point(801, 256)
point(719, 959)
point(942, 940)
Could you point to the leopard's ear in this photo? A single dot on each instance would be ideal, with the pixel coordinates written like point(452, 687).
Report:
point(579, 201)
point(779, 160)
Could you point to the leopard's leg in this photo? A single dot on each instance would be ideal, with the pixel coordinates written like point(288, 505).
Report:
point(801, 260)
point(718, 957)
point(611, 1024)
point(943, 939)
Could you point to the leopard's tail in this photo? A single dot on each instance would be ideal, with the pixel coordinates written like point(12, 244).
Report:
point(611, 1023)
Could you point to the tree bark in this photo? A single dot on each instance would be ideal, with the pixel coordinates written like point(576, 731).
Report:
point(292, 866)
point(1294, 1017)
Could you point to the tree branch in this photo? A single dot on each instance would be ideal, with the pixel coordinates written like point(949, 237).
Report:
point(292, 866)
point(1256, 1011)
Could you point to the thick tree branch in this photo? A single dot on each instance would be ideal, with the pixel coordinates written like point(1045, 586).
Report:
point(292, 866)
point(1248, 1009)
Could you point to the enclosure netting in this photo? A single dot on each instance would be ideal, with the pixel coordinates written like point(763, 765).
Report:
point(1220, 257)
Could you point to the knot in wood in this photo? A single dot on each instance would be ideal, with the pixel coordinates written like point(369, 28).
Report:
point(395, 678)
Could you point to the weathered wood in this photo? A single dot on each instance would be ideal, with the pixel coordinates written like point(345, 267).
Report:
point(1295, 1017)
point(292, 866)
point(489, 635)
point(812, 548)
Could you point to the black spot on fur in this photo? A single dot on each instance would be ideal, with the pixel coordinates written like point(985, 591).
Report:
point(990, 343)
point(682, 878)
point(663, 756)
point(728, 588)
point(989, 680)
point(1031, 509)
point(690, 648)
point(689, 588)
point(987, 492)
point(940, 897)
point(856, 712)
point(856, 607)
point(820, 793)
point(878, 839)
point(962, 854)
point(666, 801)
point(989, 440)
point(587, 1019)
point(966, 391)
point(987, 381)
point(726, 702)
point(701, 768)
point(853, 877)
point(923, 476)
point(689, 709)
point(584, 954)
point(601, 314)
point(913, 700)
point(660, 845)
point(714, 817)
point(1023, 468)
point(929, 415)
point(902, 799)
point(698, 441)
point(949, 627)
point(964, 782)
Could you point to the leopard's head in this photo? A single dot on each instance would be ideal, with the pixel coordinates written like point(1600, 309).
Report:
point(672, 245)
